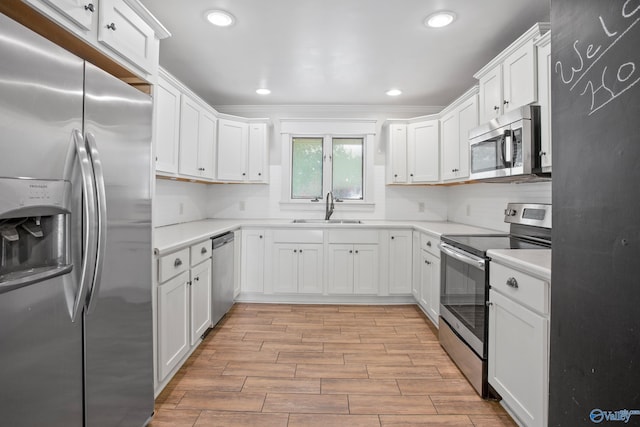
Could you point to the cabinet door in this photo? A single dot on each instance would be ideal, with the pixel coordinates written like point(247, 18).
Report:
point(122, 30)
point(400, 255)
point(310, 268)
point(257, 152)
point(491, 94)
point(173, 323)
point(450, 145)
point(167, 126)
point(544, 100)
point(285, 267)
point(425, 281)
point(365, 269)
point(467, 120)
point(519, 73)
point(232, 143)
point(398, 148)
point(423, 146)
point(416, 268)
point(252, 274)
point(200, 300)
point(79, 12)
point(206, 144)
point(189, 132)
point(519, 372)
point(340, 274)
point(433, 303)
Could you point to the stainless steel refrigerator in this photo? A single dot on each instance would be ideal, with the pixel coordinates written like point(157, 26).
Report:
point(75, 240)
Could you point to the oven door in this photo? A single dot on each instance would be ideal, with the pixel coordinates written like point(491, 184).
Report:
point(463, 296)
point(491, 154)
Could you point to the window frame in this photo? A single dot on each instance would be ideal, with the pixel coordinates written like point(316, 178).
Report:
point(328, 130)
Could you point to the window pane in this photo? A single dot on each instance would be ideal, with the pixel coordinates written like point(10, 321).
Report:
point(347, 168)
point(306, 169)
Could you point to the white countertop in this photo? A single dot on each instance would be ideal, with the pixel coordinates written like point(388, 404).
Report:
point(534, 261)
point(172, 237)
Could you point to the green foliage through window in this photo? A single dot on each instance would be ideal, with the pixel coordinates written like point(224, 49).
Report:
point(306, 170)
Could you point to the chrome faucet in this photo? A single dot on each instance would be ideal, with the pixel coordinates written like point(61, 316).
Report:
point(328, 211)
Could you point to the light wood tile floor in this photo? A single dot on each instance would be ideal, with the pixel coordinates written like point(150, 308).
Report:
point(323, 365)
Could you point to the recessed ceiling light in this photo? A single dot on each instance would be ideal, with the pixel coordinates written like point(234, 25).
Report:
point(440, 19)
point(263, 91)
point(394, 92)
point(220, 18)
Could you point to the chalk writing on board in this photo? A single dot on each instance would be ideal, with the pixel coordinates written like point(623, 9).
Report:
point(602, 82)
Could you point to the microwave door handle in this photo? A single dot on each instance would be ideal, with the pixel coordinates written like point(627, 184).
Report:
point(507, 148)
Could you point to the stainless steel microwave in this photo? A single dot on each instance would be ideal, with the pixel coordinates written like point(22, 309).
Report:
point(507, 146)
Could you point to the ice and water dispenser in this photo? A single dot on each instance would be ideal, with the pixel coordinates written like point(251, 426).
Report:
point(34, 231)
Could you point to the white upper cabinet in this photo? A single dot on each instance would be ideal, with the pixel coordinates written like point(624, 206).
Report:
point(544, 99)
point(455, 125)
point(509, 81)
point(242, 151)
point(413, 152)
point(166, 125)
point(122, 30)
point(423, 155)
point(125, 32)
point(197, 139)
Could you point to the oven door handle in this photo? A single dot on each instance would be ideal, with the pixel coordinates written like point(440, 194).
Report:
point(472, 260)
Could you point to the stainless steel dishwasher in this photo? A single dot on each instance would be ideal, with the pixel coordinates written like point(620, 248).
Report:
point(222, 276)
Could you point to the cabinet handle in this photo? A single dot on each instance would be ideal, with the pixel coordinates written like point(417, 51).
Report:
point(392, 237)
point(429, 243)
point(197, 279)
point(203, 251)
point(177, 262)
point(395, 175)
point(496, 108)
point(112, 26)
point(426, 261)
point(488, 303)
point(300, 251)
point(542, 153)
point(512, 282)
point(505, 102)
point(244, 174)
point(261, 236)
point(295, 251)
point(89, 7)
point(259, 173)
point(350, 251)
point(189, 283)
point(411, 174)
point(356, 251)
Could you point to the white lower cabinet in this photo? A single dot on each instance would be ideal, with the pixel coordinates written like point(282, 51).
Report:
point(200, 295)
point(297, 268)
point(430, 285)
point(519, 344)
point(400, 250)
point(173, 323)
point(353, 269)
point(252, 261)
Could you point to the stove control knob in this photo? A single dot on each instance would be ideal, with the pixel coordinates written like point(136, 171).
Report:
point(510, 212)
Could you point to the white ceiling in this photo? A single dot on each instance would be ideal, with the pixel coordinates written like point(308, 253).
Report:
point(337, 52)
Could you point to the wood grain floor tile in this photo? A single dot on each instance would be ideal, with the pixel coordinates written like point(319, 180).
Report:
point(241, 419)
point(174, 418)
point(306, 403)
point(278, 365)
point(425, 421)
point(281, 385)
point(331, 371)
point(367, 404)
point(359, 386)
point(247, 369)
point(331, 420)
point(241, 402)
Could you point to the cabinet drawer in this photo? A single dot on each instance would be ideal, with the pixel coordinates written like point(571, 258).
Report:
point(297, 236)
point(429, 243)
point(173, 264)
point(353, 236)
point(520, 287)
point(200, 252)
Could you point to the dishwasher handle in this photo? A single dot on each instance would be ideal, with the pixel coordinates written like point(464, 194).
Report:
point(222, 240)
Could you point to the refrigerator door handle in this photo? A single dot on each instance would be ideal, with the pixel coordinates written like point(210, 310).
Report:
point(89, 246)
point(94, 156)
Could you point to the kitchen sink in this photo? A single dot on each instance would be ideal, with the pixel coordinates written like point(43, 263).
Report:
point(327, 221)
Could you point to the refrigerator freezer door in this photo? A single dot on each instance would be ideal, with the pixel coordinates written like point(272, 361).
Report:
point(118, 328)
point(40, 347)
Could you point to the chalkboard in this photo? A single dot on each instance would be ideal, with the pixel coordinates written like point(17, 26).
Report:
point(595, 291)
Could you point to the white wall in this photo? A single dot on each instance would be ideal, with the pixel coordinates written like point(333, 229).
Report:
point(177, 201)
point(483, 205)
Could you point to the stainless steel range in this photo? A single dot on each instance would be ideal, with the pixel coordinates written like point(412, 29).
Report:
point(464, 288)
